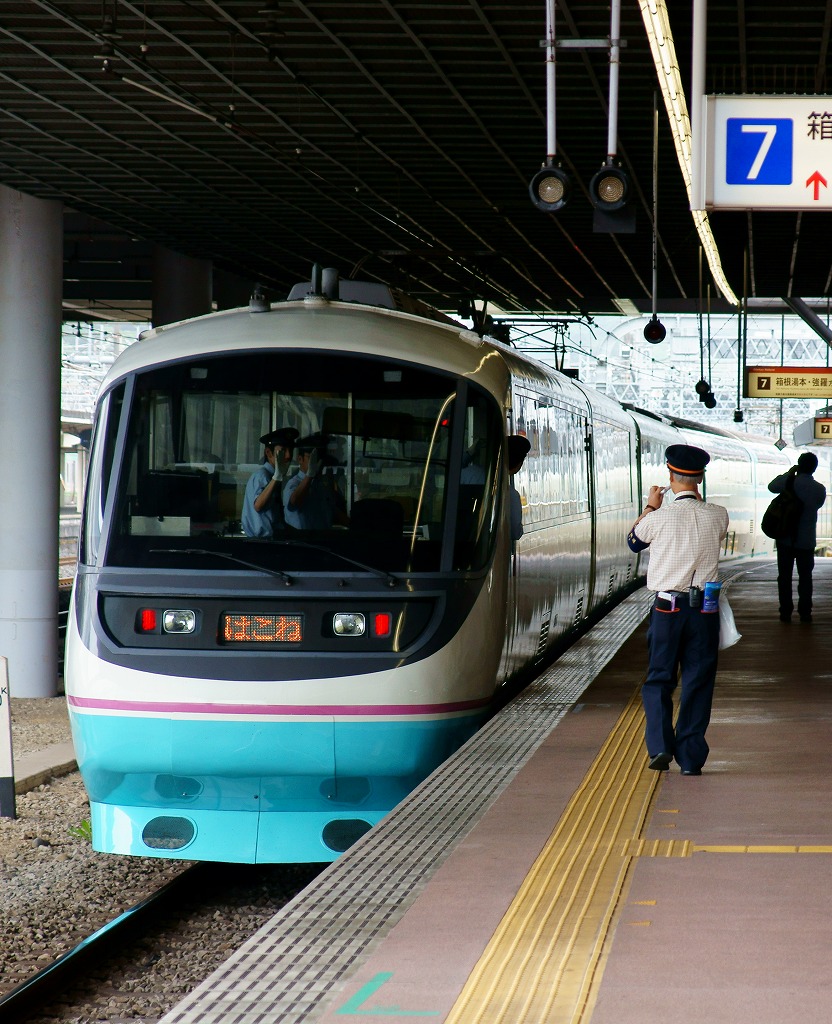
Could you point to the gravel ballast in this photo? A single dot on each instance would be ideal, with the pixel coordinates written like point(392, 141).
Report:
point(58, 891)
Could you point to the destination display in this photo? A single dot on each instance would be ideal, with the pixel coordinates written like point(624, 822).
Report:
point(788, 382)
point(817, 431)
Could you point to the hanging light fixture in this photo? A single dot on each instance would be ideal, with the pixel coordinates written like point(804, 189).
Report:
point(609, 189)
point(551, 187)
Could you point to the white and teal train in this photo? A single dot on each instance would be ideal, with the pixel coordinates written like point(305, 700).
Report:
point(269, 699)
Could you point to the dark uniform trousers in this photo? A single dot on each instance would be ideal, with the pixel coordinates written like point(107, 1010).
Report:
point(787, 557)
point(686, 639)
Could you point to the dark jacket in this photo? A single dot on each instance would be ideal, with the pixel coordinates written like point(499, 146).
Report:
point(813, 495)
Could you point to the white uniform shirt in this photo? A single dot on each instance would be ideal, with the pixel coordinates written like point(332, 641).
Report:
point(685, 537)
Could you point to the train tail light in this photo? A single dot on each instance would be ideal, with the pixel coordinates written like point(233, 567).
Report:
point(382, 624)
point(147, 621)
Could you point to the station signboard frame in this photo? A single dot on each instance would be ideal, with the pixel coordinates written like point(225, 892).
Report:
point(768, 153)
point(788, 382)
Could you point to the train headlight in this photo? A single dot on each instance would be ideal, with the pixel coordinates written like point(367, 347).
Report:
point(348, 624)
point(178, 620)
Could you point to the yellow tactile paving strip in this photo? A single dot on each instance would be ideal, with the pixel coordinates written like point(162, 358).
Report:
point(543, 958)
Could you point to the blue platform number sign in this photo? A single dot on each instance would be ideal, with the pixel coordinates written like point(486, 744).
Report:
point(759, 151)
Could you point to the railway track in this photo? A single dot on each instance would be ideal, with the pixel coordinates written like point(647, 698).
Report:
point(41, 989)
point(89, 981)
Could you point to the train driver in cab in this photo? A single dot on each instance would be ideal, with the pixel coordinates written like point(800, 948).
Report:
point(685, 537)
point(311, 500)
point(263, 505)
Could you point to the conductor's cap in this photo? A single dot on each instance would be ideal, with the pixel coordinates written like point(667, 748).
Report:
point(311, 442)
point(284, 437)
point(686, 459)
point(518, 448)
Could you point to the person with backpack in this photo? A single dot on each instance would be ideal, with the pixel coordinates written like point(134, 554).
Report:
point(798, 548)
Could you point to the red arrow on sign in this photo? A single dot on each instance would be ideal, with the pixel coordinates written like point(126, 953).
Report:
point(816, 179)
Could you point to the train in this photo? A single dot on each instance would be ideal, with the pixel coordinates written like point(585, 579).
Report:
point(269, 699)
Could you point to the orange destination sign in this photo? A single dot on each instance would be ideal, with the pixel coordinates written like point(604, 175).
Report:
point(788, 382)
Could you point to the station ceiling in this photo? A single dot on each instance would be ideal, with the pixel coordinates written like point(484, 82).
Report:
point(392, 139)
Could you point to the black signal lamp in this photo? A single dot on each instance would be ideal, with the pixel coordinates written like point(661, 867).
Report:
point(738, 416)
point(655, 331)
point(702, 388)
point(609, 189)
point(709, 400)
point(550, 188)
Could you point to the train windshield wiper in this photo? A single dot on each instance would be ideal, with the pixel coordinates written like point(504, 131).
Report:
point(288, 580)
point(381, 573)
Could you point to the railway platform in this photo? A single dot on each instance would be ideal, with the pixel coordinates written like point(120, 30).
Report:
point(544, 874)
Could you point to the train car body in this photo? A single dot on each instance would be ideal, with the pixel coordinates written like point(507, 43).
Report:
point(261, 700)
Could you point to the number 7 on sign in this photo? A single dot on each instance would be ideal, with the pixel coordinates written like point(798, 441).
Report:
point(759, 151)
point(768, 131)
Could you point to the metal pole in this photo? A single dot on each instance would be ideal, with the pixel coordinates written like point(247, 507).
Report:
point(655, 198)
point(551, 139)
point(697, 103)
point(615, 65)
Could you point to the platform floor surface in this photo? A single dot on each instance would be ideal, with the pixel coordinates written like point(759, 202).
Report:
point(732, 924)
point(741, 930)
point(713, 901)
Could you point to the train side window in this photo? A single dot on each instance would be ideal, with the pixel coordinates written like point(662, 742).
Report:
point(478, 498)
point(613, 465)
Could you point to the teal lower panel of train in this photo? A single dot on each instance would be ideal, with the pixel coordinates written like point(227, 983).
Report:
point(298, 792)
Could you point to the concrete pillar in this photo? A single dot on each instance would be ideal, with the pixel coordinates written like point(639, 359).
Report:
point(181, 286)
point(31, 280)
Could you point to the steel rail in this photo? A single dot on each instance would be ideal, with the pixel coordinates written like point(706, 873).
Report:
point(42, 987)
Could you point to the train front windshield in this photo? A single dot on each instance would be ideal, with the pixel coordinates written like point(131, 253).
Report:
point(407, 478)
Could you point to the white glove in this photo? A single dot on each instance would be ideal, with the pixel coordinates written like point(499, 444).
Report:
point(314, 465)
point(280, 466)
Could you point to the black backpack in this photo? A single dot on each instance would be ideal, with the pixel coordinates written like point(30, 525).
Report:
point(781, 518)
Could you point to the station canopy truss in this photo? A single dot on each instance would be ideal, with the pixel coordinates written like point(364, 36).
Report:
point(393, 140)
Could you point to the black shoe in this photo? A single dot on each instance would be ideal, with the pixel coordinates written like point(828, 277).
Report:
point(691, 771)
point(785, 618)
point(660, 762)
point(806, 618)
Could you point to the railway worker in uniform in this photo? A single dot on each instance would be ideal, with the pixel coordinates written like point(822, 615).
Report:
point(262, 504)
point(310, 500)
point(685, 537)
point(799, 549)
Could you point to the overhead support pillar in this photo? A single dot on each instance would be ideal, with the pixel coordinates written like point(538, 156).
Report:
point(810, 316)
point(181, 286)
point(31, 279)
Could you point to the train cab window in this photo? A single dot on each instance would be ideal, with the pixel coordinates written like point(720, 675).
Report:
point(383, 435)
point(103, 449)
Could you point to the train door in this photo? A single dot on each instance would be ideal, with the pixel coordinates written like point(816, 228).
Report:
point(510, 645)
point(589, 449)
